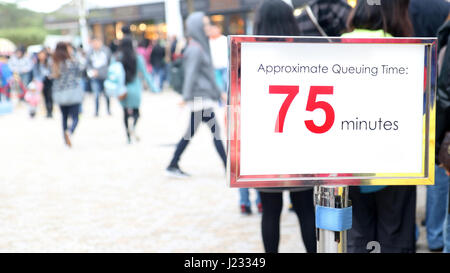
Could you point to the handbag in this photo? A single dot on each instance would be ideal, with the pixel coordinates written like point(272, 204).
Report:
point(444, 151)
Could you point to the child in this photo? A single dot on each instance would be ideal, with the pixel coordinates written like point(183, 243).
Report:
point(33, 96)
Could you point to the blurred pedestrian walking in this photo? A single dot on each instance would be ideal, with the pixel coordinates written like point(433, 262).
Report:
point(275, 17)
point(21, 64)
point(200, 91)
point(97, 68)
point(133, 65)
point(41, 77)
point(5, 79)
point(219, 53)
point(385, 214)
point(67, 89)
point(158, 62)
point(33, 97)
point(145, 50)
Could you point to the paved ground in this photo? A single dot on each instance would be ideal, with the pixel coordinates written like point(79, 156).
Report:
point(108, 196)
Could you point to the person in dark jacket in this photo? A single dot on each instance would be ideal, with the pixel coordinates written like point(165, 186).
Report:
point(427, 17)
point(274, 17)
point(443, 126)
point(200, 91)
point(158, 63)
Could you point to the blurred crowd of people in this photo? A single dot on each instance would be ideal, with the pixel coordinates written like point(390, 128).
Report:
point(383, 214)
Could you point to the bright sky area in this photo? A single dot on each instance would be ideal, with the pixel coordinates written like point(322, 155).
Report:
point(52, 5)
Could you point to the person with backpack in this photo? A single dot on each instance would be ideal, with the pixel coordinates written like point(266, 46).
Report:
point(123, 81)
point(200, 91)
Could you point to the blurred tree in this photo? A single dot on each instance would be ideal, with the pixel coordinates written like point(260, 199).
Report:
point(21, 26)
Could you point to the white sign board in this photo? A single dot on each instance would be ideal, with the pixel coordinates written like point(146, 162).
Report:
point(309, 110)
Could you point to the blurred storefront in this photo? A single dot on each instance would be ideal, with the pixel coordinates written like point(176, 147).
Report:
point(149, 20)
point(145, 21)
point(233, 16)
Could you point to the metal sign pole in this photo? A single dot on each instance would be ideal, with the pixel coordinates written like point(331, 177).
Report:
point(329, 241)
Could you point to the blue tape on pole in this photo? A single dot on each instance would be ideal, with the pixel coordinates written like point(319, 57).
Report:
point(334, 219)
point(5, 108)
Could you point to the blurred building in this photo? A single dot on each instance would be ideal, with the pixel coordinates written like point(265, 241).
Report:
point(149, 20)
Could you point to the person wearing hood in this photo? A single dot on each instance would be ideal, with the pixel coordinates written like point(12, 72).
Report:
point(200, 91)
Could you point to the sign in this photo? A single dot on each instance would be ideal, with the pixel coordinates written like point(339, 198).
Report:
point(307, 111)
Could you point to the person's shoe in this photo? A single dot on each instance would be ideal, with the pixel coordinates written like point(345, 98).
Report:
point(423, 223)
point(133, 134)
point(67, 139)
point(246, 210)
point(175, 172)
point(440, 249)
point(260, 209)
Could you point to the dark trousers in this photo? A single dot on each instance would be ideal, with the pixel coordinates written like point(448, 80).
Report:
point(47, 92)
point(387, 216)
point(98, 89)
point(128, 113)
point(209, 117)
point(70, 112)
point(303, 204)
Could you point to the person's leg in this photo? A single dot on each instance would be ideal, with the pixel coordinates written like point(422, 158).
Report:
point(225, 79)
point(65, 117)
point(447, 226)
point(157, 76)
point(209, 117)
point(244, 200)
point(95, 86)
point(219, 80)
point(270, 223)
point(136, 116)
point(303, 204)
point(102, 90)
point(74, 112)
point(126, 116)
point(436, 209)
point(258, 198)
point(194, 122)
point(363, 221)
point(50, 96)
point(396, 218)
point(46, 91)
